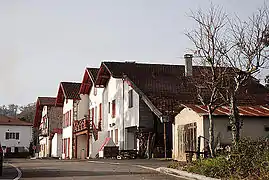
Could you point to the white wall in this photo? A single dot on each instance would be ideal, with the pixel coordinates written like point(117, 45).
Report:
point(125, 116)
point(253, 127)
point(25, 136)
point(94, 101)
point(83, 106)
point(68, 131)
point(56, 148)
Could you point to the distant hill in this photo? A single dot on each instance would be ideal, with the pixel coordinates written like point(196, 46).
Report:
point(24, 113)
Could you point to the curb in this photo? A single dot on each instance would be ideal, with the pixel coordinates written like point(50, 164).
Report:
point(18, 171)
point(184, 174)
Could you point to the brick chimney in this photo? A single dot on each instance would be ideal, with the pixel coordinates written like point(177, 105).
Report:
point(188, 64)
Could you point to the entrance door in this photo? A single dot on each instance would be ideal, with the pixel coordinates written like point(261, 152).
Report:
point(190, 135)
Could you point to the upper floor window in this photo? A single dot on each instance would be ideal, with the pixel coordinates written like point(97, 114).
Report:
point(108, 107)
point(67, 119)
point(113, 108)
point(12, 135)
point(95, 91)
point(130, 95)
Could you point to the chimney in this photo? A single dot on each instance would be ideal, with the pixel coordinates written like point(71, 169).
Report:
point(188, 64)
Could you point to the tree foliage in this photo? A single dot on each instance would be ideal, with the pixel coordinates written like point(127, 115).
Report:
point(25, 113)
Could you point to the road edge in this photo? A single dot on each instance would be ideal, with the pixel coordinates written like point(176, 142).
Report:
point(184, 174)
point(18, 171)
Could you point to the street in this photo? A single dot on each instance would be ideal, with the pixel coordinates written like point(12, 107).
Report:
point(90, 169)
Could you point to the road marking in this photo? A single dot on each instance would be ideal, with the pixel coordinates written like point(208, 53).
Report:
point(19, 172)
point(145, 167)
point(98, 162)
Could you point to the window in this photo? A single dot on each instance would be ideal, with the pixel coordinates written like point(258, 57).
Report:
point(113, 109)
point(108, 107)
point(130, 95)
point(116, 136)
point(229, 128)
point(266, 128)
point(95, 91)
point(12, 135)
point(17, 136)
point(111, 135)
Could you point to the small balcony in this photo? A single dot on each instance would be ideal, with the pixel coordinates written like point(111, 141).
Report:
point(80, 125)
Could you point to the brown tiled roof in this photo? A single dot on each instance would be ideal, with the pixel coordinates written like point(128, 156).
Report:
point(71, 90)
point(40, 103)
point(5, 120)
point(167, 87)
point(93, 72)
point(47, 101)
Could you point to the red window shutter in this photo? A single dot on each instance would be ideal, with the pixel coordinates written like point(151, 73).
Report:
point(93, 114)
point(100, 111)
point(68, 146)
point(70, 118)
point(64, 146)
point(113, 108)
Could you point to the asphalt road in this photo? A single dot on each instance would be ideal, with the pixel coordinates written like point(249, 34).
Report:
point(85, 170)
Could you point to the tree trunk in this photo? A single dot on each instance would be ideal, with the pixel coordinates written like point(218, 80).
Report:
point(211, 133)
point(235, 122)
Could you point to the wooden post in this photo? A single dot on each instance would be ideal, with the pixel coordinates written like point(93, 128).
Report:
point(164, 138)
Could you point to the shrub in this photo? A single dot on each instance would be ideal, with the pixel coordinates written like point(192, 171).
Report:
point(249, 161)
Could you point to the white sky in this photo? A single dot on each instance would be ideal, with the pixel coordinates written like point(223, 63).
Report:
point(43, 42)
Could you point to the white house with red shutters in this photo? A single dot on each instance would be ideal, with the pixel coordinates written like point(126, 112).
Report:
point(89, 129)
point(68, 98)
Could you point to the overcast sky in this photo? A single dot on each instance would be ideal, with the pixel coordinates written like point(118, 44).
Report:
point(43, 42)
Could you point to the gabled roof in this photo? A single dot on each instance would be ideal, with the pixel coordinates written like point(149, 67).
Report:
point(40, 103)
point(252, 111)
point(67, 90)
point(165, 87)
point(5, 120)
point(93, 72)
point(88, 80)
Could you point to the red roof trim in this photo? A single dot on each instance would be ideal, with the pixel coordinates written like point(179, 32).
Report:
point(86, 84)
point(100, 80)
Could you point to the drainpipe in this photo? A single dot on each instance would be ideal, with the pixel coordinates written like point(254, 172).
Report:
point(123, 132)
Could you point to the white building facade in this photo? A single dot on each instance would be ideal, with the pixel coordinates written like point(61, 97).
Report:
point(15, 135)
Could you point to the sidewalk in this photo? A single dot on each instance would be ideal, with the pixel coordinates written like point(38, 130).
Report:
point(9, 172)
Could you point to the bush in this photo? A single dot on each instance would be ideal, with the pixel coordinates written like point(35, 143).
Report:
point(249, 161)
point(176, 165)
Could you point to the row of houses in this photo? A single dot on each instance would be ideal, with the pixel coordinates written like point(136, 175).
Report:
point(137, 106)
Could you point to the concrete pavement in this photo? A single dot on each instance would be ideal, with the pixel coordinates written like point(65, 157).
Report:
point(95, 169)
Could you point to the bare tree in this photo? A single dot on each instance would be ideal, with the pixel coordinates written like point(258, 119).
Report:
point(208, 39)
point(247, 55)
